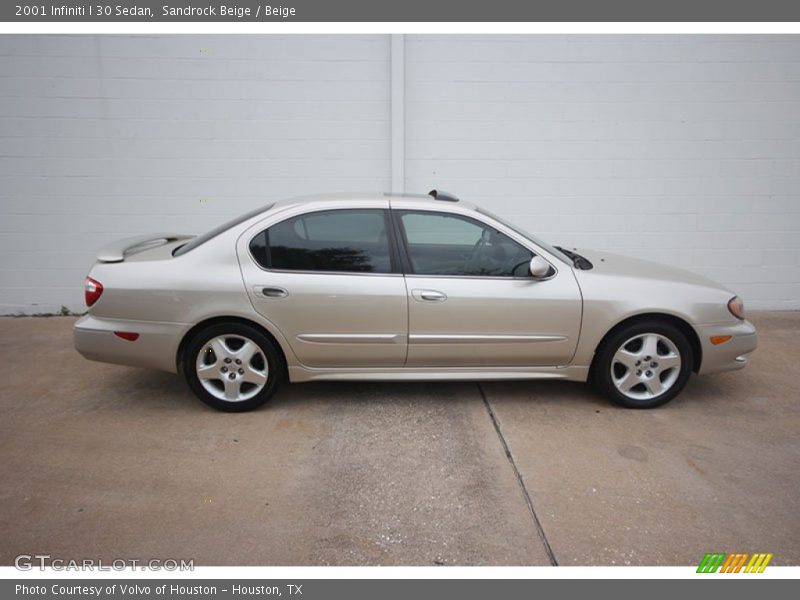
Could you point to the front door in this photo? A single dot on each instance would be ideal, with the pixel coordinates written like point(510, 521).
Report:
point(328, 282)
point(472, 302)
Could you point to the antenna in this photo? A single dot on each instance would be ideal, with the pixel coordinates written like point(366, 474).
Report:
point(442, 195)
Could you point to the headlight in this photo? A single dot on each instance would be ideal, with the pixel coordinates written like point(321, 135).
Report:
point(736, 306)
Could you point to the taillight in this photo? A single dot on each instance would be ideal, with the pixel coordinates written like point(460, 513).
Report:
point(93, 290)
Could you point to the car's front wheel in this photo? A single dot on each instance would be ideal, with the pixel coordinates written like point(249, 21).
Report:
point(644, 365)
point(233, 367)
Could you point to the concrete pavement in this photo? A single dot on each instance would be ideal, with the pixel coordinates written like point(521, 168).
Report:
point(102, 461)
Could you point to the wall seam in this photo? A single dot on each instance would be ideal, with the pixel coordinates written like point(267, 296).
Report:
point(398, 100)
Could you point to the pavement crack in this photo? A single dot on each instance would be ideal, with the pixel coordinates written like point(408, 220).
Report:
point(528, 500)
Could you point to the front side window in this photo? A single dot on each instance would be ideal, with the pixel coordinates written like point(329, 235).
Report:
point(351, 240)
point(447, 244)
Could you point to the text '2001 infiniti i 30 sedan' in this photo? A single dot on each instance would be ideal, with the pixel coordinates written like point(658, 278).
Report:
point(396, 288)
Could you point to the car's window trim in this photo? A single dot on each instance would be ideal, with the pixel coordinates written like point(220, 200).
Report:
point(408, 268)
point(394, 257)
point(401, 265)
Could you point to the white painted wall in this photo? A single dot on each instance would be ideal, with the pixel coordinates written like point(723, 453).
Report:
point(681, 149)
point(110, 136)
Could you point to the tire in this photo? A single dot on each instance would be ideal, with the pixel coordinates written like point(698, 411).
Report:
point(622, 374)
point(214, 375)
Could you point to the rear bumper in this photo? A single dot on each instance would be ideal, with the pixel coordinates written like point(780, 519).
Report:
point(156, 347)
point(732, 354)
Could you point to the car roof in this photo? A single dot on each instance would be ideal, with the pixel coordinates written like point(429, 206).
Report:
point(396, 199)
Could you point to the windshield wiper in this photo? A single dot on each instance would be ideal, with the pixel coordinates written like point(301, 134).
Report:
point(580, 262)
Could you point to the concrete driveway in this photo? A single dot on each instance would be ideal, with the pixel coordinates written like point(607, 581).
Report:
point(101, 461)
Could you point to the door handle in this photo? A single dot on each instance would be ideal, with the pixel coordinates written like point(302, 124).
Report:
point(273, 292)
point(429, 295)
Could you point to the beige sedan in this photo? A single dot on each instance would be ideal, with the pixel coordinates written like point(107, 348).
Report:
point(400, 287)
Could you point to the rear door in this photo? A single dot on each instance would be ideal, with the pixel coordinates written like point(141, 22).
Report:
point(330, 281)
point(472, 301)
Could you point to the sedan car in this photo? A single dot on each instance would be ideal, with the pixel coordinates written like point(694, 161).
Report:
point(400, 287)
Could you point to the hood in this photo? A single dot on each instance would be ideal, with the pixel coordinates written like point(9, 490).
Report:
point(607, 263)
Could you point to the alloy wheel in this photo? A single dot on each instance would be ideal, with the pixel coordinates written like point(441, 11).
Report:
point(232, 368)
point(645, 366)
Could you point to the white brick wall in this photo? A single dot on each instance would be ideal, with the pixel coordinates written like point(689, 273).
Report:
point(104, 137)
point(677, 148)
point(681, 149)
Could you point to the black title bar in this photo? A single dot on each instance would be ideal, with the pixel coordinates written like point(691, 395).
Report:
point(405, 10)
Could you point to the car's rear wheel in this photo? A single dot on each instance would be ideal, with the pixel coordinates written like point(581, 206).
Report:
point(233, 367)
point(643, 365)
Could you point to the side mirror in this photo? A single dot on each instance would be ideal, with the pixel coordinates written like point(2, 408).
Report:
point(539, 267)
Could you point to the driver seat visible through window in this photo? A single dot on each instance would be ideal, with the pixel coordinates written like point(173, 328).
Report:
point(448, 244)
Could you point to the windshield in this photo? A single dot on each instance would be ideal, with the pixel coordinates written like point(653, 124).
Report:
point(551, 249)
point(202, 239)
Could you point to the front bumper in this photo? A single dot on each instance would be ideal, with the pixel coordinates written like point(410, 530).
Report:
point(732, 354)
point(156, 347)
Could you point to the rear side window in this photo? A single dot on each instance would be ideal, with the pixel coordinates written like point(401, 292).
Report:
point(349, 240)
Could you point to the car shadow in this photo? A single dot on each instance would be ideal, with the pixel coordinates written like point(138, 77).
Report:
point(142, 388)
point(166, 391)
